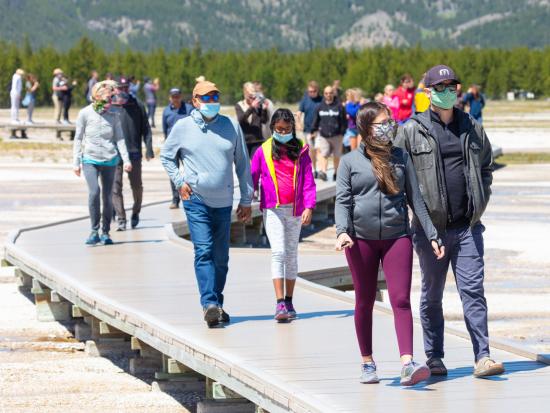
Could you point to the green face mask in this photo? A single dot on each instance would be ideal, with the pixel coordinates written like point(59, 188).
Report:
point(443, 100)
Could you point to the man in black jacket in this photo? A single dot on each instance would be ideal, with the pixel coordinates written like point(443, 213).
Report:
point(329, 125)
point(454, 164)
point(135, 126)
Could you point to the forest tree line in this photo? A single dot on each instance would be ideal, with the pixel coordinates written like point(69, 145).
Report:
point(283, 75)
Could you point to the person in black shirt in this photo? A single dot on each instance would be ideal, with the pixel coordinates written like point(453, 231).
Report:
point(453, 160)
point(329, 124)
point(136, 129)
point(252, 114)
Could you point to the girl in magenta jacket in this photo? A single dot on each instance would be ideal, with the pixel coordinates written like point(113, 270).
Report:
point(281, 168)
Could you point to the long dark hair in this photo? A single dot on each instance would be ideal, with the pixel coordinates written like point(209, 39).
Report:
point(378, 152)
point(291, 148)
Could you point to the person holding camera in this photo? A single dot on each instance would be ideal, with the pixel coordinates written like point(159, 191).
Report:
point(252, 114)
point(374, 185)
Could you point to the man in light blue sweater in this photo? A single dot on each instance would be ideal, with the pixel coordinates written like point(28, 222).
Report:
point(209, 144)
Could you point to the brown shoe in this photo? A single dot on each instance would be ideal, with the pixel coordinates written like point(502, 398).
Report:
point(173, 206)
point(488, 367)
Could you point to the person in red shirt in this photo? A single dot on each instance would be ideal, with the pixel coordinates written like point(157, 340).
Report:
point(405, 94)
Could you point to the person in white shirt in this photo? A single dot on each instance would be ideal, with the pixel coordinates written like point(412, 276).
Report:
point(15, 94)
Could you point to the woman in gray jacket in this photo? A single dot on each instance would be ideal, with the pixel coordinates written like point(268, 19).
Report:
point(98, 146)
point(374, 185)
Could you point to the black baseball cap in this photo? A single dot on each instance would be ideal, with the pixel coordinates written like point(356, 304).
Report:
point(439, 74)
point(174, 91)
point(122, 81)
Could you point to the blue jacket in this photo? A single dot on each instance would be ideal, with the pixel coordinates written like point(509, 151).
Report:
point(208, 151)
point(170, 116)
point(476, 105)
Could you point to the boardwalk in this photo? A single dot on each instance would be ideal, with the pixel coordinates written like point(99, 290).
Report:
point(145, 286)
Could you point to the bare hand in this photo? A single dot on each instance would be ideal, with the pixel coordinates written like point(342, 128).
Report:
point(185, 192)
point(265, 105)
point(343, 241)
point(127, 167)
point(438, 251)
point(255, 103)
point(306, 216)
point(244, 213)
point(76, 170)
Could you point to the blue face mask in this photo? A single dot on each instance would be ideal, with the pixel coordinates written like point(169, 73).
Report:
point(115, 109)
point(209, 110)
point(282, 138)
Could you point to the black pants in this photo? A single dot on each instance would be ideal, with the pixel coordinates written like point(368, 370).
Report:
point(66, 101)
point(137, 189)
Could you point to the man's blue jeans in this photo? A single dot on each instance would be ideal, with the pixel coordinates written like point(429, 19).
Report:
point(210, 230)
point(464, 251)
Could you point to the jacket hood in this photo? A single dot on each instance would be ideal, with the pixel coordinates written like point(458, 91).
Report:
point(199, 119)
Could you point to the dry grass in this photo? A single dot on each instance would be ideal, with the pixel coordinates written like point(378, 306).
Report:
point(524, 158)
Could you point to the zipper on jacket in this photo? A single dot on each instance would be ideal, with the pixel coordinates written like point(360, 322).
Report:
point(380, 214)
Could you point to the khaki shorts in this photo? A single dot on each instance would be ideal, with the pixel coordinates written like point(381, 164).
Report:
point(306, 137)
point(329, 146)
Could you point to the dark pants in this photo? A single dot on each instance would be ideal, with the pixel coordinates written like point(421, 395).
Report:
point(464, 251)
point(364, 259)
point(67, 101)
point(151, 107)
point(92, 173)
point(137, 189)
point(210, 230)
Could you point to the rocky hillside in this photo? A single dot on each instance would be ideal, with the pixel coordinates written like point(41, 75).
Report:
point(287, 25)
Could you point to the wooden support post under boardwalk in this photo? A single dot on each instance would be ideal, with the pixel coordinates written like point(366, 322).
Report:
point(46, 309)
point(5, 263)
point(103, 332)
point(220, 399)
point(173, 370)
point(24, 280)
point(78, 312)
point(149, 360)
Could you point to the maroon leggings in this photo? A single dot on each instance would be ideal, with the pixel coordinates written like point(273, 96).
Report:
point(363, 260)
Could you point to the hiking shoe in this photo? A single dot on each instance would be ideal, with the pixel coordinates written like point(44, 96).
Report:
point(93, 238)
point(135, 220)
point(368, 373)
point(290, 309)
point(436, 366)
point(322, 176)
point(106, 239)
point(281, 313)
point(413, 373)
point(173, 205)
point(121, 226)
point(212, 315)
point(488, 367)
point(223, 317)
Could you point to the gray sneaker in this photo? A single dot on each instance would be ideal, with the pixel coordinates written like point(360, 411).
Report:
point(413, 373)
point(368, 373)
point(488, 367)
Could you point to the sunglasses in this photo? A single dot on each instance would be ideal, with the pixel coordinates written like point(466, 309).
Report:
point(209, 98)
point(389, 122)
point(441, 87)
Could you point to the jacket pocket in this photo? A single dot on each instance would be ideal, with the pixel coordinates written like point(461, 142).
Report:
point(423, 156)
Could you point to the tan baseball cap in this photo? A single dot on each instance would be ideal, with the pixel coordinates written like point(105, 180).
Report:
point(57, 71)
point(205, 87)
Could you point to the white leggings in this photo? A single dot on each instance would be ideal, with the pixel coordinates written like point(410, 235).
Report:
point(283, 231)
